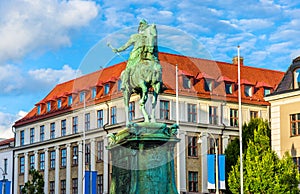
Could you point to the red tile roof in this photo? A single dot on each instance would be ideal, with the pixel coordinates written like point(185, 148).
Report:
point(195, 68)
point(7, 141)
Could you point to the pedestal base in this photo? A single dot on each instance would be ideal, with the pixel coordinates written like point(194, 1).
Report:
point(143, 159)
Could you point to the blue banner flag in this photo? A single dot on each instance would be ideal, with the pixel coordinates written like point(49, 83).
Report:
point(222, 171)
point(211, 171)
point(90, 182)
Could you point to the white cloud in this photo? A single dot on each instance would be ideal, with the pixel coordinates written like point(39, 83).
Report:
point(14, 80)
point(54, 76)
point(27, 26)
point(6, 122)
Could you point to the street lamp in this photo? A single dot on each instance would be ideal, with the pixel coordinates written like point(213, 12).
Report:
point(3, 181)
point(75, 157)
point(217, 159)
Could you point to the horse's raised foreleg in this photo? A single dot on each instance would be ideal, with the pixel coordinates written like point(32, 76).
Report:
point(143, 100)
point(156, 90)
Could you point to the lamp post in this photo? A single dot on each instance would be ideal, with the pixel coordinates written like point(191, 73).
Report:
point(90, 172)
point(217, 159)
point(3, 181)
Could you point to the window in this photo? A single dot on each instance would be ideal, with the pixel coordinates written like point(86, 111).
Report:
point(70, 100)
point(42, 133)
point(87, 121)
point(297, 162)
point(208, 85)
point(192, 113)
point(100, 150)
point(63, 186)
point(52, 187)
point(267, 91)
point(52, 130)
point(186, 82)
point(75, 186)
point(297, 78)
point(248, 91)
point(63, 127)
point(234, 118)
point(82, 96)
point(39, 109)
point(253, 114)
point(31, 135)
point(213, 115)
point(5, 166)
point(22, 137)
point(192, 146)
point(48, 106)
point(113, 117)
point(212, 145)
point(22, 164)
point(94, 92)
point(100, 184)
point(75, 155)
point(131, 110)
point(63, 158)
point(87, 153)
point(228, 88)
point(295, 124)
point(75, 124)
point(100, 118)
point(21, 187)
point(164, 109)
point(42, 161)
point(193, 181)
point(119, 85)
point(106, 89)
point(31, 162)
point(59, 103)
point(52, 159)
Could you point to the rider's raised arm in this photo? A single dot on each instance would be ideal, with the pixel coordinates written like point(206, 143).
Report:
point(127, 44)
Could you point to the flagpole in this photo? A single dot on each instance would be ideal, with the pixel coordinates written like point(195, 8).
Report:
point(177, 122)
point(240, 121)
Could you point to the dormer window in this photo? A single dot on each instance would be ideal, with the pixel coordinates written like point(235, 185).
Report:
point(267, 91)
point(39, 109)
point(94, 92)
point(248, 91)
point(297, 78)
point(59, 103)
point(82, 96)
point(228, 88)
point(208, 84)
point(186, 82)
point(106, 89)
point(70, 100)
point(48, 106)
point(119, 85)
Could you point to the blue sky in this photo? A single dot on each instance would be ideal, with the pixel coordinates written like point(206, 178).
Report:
point(46, 42)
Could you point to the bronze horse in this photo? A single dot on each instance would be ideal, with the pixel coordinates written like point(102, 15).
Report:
point(147, 74)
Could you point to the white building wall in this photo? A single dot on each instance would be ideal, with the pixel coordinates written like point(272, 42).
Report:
point(202, 118)
point(9, 156)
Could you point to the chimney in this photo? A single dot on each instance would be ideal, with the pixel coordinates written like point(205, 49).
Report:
point(235, 60)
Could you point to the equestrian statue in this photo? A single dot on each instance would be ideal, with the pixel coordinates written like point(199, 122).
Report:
point(143, 70)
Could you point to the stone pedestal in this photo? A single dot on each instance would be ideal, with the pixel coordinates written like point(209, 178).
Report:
point(143, 159)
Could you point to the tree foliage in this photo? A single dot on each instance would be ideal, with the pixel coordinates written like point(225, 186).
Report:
point(35, 185)
point(263, 171)
point(233, 149)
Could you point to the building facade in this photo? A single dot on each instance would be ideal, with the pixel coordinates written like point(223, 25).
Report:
point(6, 165)
point(64, 135)
point(285, 113)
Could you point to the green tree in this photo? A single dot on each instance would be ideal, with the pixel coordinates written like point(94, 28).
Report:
point(35, 185)
point(232, 151)
point(263, 171)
